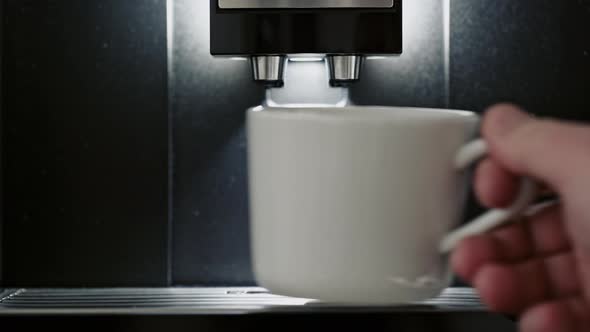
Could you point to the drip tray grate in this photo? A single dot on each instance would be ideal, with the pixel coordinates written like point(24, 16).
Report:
point(195, 301)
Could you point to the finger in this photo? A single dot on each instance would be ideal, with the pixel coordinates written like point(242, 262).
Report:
point(547, 150)
point(509, 244)
point(502, 289)
point(472, 253)
point(561, 274)
point(494, 185)
point(547, 229)
point(570, 314)
point(511, 288)
point(514, 241)
point(583, 259)
point(542, 234)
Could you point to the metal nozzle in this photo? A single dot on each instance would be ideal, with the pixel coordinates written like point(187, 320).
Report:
point(344, 69)
point(269, 69)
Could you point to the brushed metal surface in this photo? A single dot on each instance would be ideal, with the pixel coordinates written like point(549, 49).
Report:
point(269, 68)
point(344, 68)
point(286, 4)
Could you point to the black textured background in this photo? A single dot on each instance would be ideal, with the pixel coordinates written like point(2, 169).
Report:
point(535, 53)
point(84, 143)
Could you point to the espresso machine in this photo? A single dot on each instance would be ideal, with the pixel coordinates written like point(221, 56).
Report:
point(278, 36)
point(123, 150)
point(272, 32)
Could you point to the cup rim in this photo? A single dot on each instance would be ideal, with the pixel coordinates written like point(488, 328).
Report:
point(362, 112)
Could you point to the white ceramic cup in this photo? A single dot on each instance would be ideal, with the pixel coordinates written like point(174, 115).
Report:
point(359, 204)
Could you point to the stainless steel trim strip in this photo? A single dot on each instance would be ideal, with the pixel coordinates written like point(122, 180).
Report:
point(303, 4)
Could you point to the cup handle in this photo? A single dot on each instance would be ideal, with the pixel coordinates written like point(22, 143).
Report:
point(527, 195)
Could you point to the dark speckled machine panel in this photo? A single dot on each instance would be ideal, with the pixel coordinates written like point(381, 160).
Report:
point(532, 52)
point(84, 143)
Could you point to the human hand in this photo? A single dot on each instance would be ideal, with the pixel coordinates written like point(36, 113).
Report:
point(538, 268)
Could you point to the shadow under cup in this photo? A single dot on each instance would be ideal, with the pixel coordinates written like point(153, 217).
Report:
point(349, 205)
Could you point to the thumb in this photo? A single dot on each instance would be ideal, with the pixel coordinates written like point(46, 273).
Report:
point(556, 153)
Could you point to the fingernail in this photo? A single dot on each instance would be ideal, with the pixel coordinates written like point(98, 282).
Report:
point(506, 118)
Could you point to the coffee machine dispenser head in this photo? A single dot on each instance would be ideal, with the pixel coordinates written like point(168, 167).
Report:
point(270, 32)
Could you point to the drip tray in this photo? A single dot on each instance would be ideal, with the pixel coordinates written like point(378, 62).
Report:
point(232, 309)
point(195, 301)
